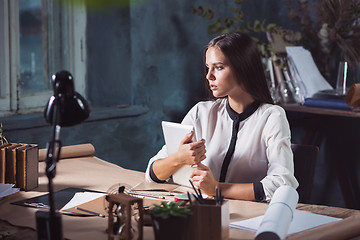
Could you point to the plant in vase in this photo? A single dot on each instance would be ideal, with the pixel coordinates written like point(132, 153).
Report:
point(170, 220)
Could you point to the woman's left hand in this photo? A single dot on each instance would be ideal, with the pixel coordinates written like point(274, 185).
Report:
point(203, 178)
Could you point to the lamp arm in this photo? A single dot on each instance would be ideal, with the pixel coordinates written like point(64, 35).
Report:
point(52, 157)
point(65, 108)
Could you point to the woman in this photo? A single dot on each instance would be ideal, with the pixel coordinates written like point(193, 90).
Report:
point(245, 137)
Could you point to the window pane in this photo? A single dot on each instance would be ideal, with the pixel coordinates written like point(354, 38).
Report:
point(31, 50)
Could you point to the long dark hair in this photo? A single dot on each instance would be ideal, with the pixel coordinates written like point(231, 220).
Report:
point(244, 56)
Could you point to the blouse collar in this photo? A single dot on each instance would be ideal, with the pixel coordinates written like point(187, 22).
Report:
point(245, 114)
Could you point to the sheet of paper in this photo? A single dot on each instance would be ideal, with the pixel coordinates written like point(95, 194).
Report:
point(5, 186)
point(94, 207)
point(7, 189)
point(81, 198)
point(281, 218)
point(302, 221)
point(307, 70)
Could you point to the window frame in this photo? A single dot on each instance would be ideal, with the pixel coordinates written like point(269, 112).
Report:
point(69, 24)
point(5, 60)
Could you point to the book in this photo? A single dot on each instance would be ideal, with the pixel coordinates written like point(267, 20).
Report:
point(3, 162)
point(327, 103)
point(10, 156)
point(27, 167)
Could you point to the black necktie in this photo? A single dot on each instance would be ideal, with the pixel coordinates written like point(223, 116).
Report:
point(237, 118)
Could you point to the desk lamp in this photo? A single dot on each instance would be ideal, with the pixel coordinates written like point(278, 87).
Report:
point(65, 108)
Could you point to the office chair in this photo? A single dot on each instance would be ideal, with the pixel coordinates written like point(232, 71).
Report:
point(305, 157)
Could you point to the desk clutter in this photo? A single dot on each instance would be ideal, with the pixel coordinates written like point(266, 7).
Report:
point(124, 210)
point(88, 219)
point(195, 219)
point(127, 212)
point(198, 217)
point(333, 99)
point(19, 165)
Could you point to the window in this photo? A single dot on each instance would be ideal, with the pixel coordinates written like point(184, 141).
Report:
point(37, 39)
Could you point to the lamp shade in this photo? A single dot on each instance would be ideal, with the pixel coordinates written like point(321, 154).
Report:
point(72, 107)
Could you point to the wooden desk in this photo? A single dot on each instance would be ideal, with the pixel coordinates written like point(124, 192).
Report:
point(339, 132)
point(96, 174)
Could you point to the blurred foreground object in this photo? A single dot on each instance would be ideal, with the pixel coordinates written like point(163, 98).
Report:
point(353, 95)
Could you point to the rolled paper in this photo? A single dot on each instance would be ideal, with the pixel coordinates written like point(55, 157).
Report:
point(72, 151)
point(278, 215)
point(353, 95)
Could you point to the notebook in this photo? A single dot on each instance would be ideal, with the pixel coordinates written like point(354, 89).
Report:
point(173, 134)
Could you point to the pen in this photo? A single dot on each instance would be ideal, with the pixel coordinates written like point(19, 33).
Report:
point(36, 205)
point(91, 212)
point(217, 195)
point(134, 186)
point(197, 196)
point(193, 187)
point(221, 197)
point(146, 195)
point(200, 194)
point(188, 194)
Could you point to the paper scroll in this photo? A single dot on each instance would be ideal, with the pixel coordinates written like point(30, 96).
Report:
point(279, 214)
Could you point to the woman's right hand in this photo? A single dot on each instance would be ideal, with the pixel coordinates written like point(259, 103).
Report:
point(190, 153)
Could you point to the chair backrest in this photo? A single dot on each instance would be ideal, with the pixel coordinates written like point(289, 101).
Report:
point(305, 157)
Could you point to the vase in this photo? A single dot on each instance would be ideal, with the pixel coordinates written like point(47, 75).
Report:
point(348, 74)
point(174, 228)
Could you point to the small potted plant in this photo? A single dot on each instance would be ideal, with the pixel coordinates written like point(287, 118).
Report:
point(170, 220)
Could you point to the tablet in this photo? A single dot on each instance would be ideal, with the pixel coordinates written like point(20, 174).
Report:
point(173, 134)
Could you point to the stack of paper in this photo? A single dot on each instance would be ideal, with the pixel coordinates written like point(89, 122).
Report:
point(306, 71)
point(7, 189)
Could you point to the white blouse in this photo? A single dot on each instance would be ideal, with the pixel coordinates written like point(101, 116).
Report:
point(262, 151)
